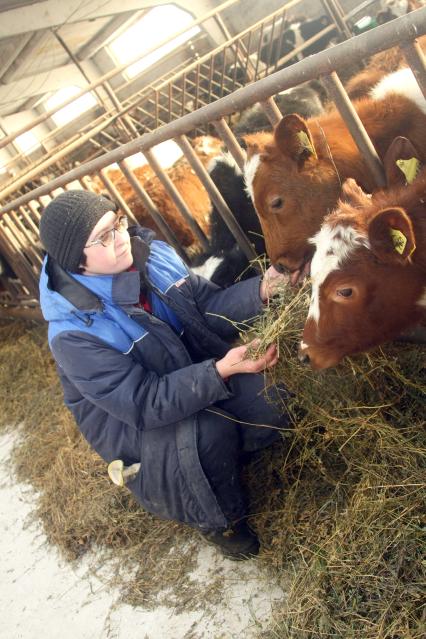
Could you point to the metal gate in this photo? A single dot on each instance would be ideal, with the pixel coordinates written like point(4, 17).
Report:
point(19, 218)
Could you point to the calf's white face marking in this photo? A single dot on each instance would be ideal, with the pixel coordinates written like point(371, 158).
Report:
point(333, 246)
point(250, 169)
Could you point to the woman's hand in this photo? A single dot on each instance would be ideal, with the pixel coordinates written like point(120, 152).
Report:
point(271, 283)
point(234, 361)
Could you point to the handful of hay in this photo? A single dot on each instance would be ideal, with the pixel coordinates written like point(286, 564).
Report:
point(338, 505)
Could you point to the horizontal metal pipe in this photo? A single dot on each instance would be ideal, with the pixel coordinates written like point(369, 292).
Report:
point(325, 62)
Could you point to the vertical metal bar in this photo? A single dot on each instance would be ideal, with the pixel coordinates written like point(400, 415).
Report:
point(26, 239)
point(156, 110)
point(23, 266)
point(271, 46)
point(197, 85)
point(216, 196)
point(116, 195)
point(183, 94)
point(34, 210)
point(230, 140)
point(259, 47)
point(222, 77)
point(177, 199)
point(152, 209)
point(11, 253)
point(356, 128)
point(247, 74)
point(271, 110)
point(414, 55)
point(337, 18)
point(280, 37)
point(27, 217)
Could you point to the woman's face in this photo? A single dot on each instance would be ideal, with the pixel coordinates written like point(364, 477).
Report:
point(111, 259)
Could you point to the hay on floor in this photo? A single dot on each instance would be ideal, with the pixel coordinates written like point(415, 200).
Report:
point(338, 504)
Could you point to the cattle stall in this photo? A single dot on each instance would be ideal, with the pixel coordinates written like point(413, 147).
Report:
point(195, 100)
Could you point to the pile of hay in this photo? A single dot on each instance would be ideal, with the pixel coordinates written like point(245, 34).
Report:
point(342, 502)
point(338, 505)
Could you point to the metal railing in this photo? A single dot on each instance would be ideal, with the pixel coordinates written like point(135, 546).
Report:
point(250, 55)
point(19, 218)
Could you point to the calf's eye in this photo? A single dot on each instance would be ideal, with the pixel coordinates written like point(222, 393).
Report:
point(344, 292)
point(276, 203)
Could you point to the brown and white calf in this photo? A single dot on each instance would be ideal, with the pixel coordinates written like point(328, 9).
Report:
point(368, 273)
point(294, 176)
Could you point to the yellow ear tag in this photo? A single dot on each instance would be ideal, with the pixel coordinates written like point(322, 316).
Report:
point(305, 142)
point(410, 168)
point(399, 241)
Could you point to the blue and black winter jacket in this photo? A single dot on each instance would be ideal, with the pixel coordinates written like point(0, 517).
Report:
point(135, 381)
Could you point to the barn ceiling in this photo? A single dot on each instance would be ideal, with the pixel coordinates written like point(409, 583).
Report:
point(42, 43)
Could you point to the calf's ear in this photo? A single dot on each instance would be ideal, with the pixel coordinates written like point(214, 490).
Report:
point(401, 162)
point(293, 138)
point(391, 235)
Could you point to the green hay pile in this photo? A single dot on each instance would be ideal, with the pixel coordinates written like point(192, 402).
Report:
point(338, 505)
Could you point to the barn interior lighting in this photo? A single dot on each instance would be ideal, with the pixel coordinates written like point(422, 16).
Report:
point(73, 110)
point(156, 25)
point(27, 142)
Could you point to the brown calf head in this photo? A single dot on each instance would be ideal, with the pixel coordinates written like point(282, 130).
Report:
point(293, 186)
point(365, 287)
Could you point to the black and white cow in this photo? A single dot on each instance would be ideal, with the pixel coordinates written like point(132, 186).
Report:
point(293, 36)
point(224, 262)
point(307, 100)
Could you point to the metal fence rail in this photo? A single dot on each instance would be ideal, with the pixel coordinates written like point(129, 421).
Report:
point(241, 59)
point(19, 218)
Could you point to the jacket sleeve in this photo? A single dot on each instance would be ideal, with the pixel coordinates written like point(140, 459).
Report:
point(124, 389)
point(239, 303)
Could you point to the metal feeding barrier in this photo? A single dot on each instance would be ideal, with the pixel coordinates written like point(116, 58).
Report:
point(19, 218)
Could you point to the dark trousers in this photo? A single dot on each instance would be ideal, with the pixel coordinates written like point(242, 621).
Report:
point(223, 437)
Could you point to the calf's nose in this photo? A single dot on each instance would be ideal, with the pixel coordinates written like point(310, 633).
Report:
point(280, 267)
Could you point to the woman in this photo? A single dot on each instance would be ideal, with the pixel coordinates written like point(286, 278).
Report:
point(142, 349)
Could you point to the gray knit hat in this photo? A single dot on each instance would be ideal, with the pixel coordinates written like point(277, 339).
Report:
point(67, 222)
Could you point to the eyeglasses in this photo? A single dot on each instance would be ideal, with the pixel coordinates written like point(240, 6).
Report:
point(107, 238)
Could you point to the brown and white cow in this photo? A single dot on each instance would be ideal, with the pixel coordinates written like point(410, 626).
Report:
point(368, 273)
point(294, 176)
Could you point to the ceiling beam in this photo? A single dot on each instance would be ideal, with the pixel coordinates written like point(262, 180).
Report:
point(52, 14)
point(11, 52)
point(40, 83)
point(24, 55)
